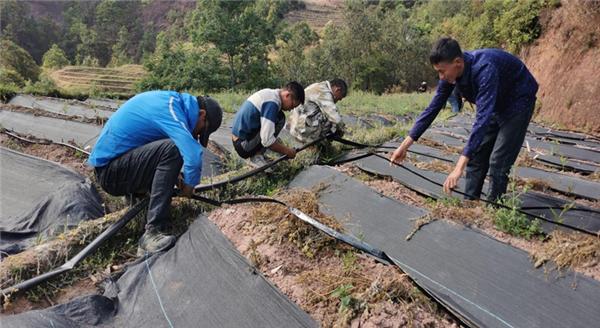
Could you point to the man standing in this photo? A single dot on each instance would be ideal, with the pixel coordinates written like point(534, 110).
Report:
point(143, 147)
point(259, 121)
point(504, 92)
point(319, 114)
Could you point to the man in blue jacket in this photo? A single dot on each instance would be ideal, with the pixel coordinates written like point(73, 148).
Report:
point(504, 92)
point(143, 147)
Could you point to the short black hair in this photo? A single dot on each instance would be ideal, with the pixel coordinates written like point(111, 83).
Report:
point(296, 89)
point(340, 84)
point(444, 50)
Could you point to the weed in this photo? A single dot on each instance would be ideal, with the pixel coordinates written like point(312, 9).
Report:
point(511, 221)
point(343, 294)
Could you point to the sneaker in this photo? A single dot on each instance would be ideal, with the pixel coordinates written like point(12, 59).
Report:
point(257, 161)
point(154, 241)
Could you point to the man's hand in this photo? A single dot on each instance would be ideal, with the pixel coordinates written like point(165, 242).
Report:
point(290, 153)
point(452, 179)
point(400, 153)
point(185, 190)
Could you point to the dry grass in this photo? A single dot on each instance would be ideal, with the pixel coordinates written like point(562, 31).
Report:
point(425, 220)
point(532, 183)
point(466, 212)
point(309, 239)
point(568, 251)
point(449, 149)
point(435, 165)
point(42, 258)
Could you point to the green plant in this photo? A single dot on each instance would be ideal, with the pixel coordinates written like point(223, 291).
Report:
point(7, 91)
point(511, 221)
point(342, 292)
point(349, 261)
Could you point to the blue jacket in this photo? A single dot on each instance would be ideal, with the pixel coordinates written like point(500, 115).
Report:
point(495, 81)
point(148, 117)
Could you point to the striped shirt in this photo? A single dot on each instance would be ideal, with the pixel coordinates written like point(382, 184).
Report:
point(258, 114)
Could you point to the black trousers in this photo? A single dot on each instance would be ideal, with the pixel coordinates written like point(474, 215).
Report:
point(252, 146)
point(152, 168)
point(498, 152)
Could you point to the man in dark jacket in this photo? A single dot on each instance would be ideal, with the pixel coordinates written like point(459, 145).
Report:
point(504, 92)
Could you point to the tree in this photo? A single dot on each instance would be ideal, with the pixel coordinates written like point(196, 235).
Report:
point(55, 58)
point(11, 77)
point(291, 62)
point(243, 31)
point(119, 49)
point(18, 60)
point(111, 16)
point(184, 68)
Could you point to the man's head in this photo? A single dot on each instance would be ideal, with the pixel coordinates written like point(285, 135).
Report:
point(210, 116)
point(447, 59)
point(292, 95)
point(339, 88)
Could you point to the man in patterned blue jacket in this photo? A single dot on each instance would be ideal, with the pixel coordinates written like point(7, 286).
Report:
point(143, 147)
point(260, 119)
point(504, 92)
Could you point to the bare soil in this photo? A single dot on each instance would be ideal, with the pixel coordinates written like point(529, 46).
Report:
point(55, 153)
point(311, 281)
point(565, 60)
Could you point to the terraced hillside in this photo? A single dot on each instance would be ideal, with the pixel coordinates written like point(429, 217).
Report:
point(119, 80)
point(317, 13)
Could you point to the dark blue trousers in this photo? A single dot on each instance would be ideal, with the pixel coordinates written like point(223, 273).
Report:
point(498, 152)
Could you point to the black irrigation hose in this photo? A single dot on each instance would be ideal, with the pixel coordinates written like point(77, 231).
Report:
point(335, 160)
point(361, 145)
point(255, 171)
point(348, 239)
point(49, 142)
point(70, 264)
point(575, 209)
point(493, 203)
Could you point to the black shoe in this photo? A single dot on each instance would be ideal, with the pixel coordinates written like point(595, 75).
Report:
point(154, 241)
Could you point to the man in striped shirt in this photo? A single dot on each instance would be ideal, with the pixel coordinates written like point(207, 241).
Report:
point(260, 119)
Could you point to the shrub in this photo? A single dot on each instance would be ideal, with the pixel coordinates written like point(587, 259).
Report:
point(55, 58)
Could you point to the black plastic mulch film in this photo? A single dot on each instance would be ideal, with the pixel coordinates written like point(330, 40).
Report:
point(343, 237)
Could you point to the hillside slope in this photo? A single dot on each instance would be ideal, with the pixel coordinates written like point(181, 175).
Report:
point(565, 60)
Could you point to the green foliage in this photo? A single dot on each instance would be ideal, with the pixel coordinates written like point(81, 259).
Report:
point(7, 91)
point(17, 59)
point(55, 58)
point(514, 222)
point(343, 293)
point(34, 35)
point(291, 63)
point(519, 24)
point(184, 68)
point(243, 32)
point(119, 49)
point(11, 77)
point(45, 86)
